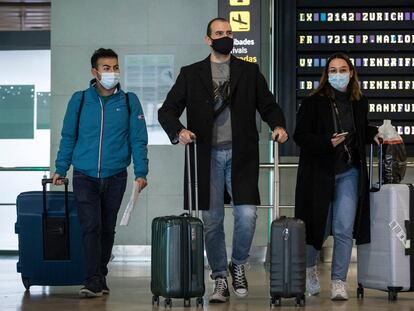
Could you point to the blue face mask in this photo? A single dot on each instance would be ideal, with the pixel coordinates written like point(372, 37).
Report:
point(339, 81)
point(109, 79)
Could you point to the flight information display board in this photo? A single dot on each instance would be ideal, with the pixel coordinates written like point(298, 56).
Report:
point(377, 35)
point(380, 43)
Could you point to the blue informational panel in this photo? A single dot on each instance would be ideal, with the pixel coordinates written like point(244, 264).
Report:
point(16, 111)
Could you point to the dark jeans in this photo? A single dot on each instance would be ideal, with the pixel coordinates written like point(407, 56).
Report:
point(98, 201)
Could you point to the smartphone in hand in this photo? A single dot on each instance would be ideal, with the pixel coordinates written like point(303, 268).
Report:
point(340, 134)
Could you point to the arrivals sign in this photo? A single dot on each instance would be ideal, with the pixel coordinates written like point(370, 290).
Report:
point(244, 17)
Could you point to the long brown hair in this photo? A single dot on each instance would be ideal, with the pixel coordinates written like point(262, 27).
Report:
point(325, 89)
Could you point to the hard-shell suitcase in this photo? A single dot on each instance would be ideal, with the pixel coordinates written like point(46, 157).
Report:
point(387, 263)
point(177, 253)
point(287, 252)
point(50, 251)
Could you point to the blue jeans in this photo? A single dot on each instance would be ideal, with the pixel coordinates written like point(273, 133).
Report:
point(98, 201)
point(244, 218)
point(341, 218)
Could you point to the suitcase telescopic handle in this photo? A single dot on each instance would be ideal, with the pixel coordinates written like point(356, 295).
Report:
point(371, 165)
point(46, 181)
point(189, 178)
point(276, 180)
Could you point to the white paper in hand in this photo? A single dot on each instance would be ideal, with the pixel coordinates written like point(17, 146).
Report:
point(130, 207)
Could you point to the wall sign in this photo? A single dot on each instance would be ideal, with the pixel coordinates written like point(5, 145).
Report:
point(244, 17)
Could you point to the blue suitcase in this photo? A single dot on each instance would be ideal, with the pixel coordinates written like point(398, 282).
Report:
point(50, 240)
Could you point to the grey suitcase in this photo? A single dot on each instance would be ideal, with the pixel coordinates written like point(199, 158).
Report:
point(387, 262)
point(287, 252)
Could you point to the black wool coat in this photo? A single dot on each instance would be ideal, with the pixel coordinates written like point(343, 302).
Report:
point(316, 176)
point(193, 91)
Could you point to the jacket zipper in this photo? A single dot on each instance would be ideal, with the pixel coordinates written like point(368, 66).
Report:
point(101, 137)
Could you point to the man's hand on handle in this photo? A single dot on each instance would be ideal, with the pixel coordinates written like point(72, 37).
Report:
point(186, 137)
point(280, 135)
point(57, 179)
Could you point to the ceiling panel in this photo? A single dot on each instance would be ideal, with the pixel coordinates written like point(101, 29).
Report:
point(24, 15)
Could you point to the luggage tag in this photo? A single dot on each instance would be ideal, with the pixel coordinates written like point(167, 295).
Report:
point(400, 233)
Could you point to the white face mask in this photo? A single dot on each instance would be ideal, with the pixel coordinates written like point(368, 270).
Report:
point(339, 81)
point(109, 79)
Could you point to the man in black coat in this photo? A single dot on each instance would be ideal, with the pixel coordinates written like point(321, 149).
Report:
point(221, 95)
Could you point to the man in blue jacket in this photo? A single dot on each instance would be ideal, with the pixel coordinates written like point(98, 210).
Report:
point(102, 127)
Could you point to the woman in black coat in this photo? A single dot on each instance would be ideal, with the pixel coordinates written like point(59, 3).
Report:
point(332, 185)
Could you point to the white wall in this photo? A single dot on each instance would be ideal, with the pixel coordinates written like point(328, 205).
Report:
point(22, 68)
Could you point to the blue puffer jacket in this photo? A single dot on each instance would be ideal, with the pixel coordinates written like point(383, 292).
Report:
point(106, 138)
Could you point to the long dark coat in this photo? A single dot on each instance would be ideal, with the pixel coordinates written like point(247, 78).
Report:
point(316, 175)
point(193, 91)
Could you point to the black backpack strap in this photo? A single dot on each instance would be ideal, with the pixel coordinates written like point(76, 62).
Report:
point(79, 113)
point(127, 103)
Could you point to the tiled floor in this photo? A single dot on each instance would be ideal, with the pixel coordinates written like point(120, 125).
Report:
point(130, 290)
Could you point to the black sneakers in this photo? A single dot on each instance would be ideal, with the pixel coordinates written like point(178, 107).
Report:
point(90, 292)
point(239, 281)
point(221, 291)
point(93, 288)
point(105, 288)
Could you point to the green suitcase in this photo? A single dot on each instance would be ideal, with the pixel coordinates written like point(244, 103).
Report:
point(177, 254)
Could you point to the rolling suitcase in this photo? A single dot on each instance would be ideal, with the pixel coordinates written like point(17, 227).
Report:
point(49, 236)
point(287, 251)
point(387, 263)
point(177, 253)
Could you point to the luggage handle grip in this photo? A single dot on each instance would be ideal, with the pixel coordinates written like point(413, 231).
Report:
point(276, 180)
point(46, 181)
point(189, 179)
point(371, 165)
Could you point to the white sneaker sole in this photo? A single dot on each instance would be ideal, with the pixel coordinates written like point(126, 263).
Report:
point(312, 294)
point(85, 293)
point(219, 300)
point(240, 295)
point(339, 298)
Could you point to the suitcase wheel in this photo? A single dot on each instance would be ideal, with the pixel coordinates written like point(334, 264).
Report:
point(275, 301)
point(360, 291)
point(300, 301)
point(187, 302)
point(392, 295)
point(26, 283)
point(168, 302)
point(155, 300)
point(200, 302)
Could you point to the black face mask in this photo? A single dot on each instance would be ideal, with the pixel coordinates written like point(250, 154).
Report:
point(222, 45)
